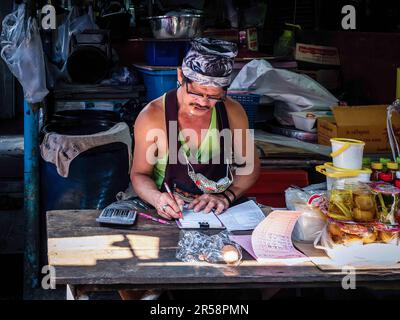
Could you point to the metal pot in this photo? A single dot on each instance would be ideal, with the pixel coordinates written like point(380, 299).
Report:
point(176, 27)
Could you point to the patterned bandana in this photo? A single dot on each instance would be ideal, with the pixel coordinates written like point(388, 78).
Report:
point(209, 62)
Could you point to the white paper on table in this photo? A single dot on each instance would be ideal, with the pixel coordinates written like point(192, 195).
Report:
point(192, 220)
point(272, 239)
point(245, 216)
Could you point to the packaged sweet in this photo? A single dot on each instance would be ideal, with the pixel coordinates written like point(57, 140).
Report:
point(350, 233)
point(359, 244)
point(353, 202)
point(387, 201)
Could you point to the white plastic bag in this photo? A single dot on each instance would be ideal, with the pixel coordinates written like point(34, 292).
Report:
point(309, 225)
point(297, 92)
point(311, 222)
point(73, 24)
point(22, 51)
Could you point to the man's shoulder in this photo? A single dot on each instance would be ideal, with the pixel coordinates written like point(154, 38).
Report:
point(233, 107)
point(235, 111)
point(152, 114)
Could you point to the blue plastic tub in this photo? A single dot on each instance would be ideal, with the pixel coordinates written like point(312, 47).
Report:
point(162, 54)
point(250, 103)
point(158, 82)
point(165, 53)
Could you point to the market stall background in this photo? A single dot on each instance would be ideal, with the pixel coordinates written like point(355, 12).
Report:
point(281, 163)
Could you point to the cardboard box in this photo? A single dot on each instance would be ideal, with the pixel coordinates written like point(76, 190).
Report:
point(320, 55)
point(366, 123)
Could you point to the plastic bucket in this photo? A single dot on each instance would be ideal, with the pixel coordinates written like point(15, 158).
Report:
point(347, 153)
point(340, 176)
point(158, 82)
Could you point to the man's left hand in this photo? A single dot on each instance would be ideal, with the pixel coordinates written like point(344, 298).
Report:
point(208, 202)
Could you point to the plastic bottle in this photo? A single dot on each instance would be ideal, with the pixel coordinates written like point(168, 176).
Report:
point(377, 168)
point(386, 177)
point(366, 163)
point(392, 168)
point(384, 162)
point(397, 181)
point(287, 42)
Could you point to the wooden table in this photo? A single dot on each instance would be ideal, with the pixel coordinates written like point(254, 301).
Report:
point(88, 257)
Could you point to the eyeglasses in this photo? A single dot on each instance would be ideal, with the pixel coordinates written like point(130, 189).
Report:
point(204, 96)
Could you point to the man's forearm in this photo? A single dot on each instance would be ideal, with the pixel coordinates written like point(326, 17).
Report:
point(145, 188)
point(242, 183)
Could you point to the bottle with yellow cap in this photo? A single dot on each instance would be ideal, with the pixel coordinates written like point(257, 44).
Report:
point(392, 168)
point(377, 168)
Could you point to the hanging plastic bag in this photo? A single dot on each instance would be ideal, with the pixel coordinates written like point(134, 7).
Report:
point(73, 24)
point(22, 51)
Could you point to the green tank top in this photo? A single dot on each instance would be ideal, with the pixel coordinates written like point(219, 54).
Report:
point(209, 147)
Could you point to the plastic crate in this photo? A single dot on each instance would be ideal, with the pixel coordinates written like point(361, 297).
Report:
point(158, 82)
point(250, 103)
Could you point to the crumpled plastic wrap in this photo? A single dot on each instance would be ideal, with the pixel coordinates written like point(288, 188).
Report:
point(195, 246)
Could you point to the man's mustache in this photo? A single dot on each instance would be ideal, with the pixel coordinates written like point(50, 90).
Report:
point(198, 105)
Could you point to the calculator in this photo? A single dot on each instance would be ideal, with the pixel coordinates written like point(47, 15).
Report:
point(122, 213)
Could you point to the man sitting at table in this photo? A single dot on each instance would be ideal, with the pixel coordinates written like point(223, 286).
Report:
point(185, 139)
point(181, 138)
point(192, 138)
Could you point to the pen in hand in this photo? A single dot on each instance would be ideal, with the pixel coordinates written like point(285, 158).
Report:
point(173, 198)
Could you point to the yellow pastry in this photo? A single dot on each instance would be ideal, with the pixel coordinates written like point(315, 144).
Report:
point(363, 216)
point(387, 236)
point(370, 237)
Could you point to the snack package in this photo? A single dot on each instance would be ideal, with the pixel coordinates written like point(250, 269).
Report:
point(387, 200)
point(349, 243)
point(353, 202)
point(351, 233)
point(196, 246)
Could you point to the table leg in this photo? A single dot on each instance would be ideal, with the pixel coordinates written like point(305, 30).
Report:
point(74, 294)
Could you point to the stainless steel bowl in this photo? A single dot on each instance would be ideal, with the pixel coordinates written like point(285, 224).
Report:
point(176, 27)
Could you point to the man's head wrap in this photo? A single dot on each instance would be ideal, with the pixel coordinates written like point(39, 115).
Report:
point(209, 62)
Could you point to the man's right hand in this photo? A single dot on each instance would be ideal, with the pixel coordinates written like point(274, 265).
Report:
point(167, 208)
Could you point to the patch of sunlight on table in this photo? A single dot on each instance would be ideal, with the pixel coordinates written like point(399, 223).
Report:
point(86, 251)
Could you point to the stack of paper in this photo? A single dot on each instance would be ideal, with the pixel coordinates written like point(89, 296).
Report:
point(245, 216)
point(271, 240)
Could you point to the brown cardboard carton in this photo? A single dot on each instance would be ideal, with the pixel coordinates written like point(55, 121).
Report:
point(366, 123)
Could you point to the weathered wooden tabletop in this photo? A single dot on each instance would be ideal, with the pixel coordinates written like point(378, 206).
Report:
point(84, 253)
